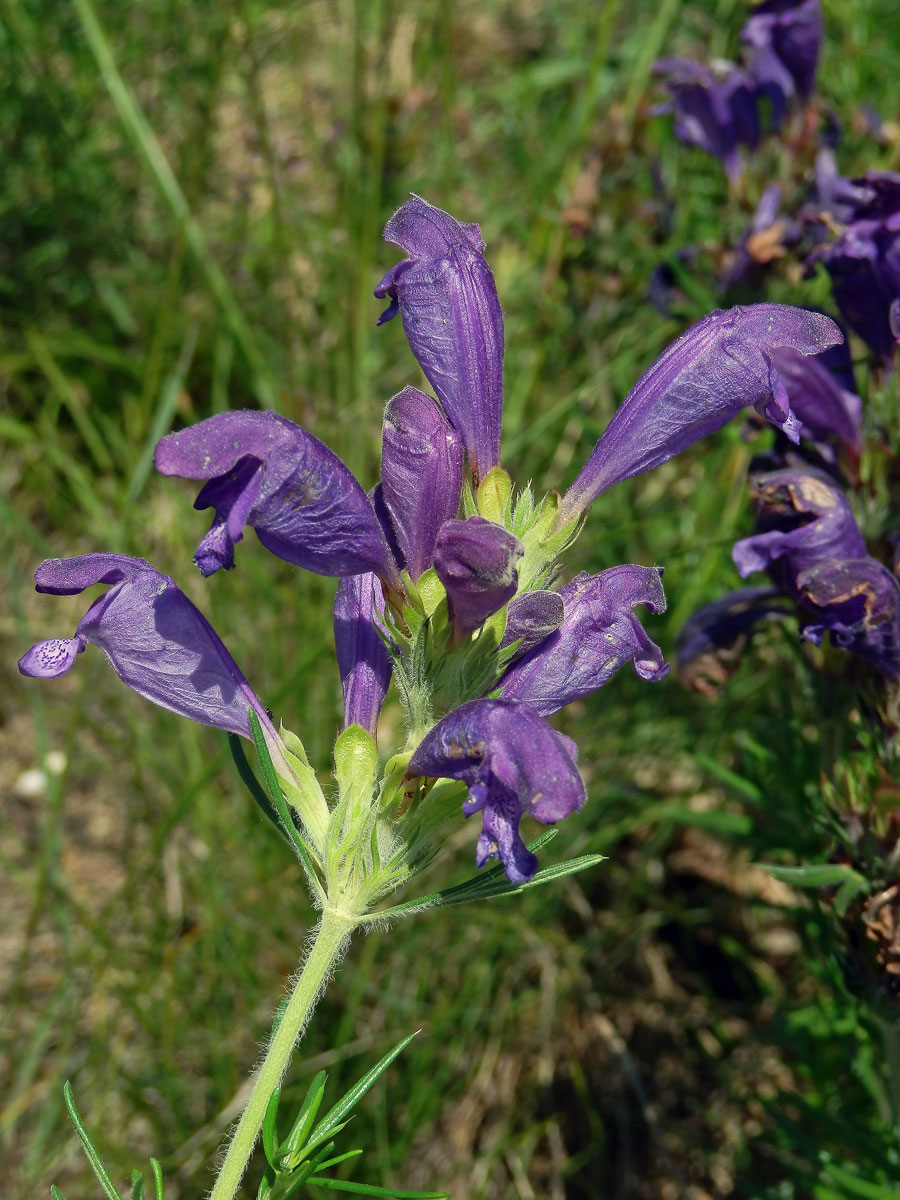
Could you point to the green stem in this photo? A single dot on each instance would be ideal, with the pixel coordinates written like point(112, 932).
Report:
point(330, 942)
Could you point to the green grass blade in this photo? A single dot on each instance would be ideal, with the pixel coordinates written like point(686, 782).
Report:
point(90, 1149)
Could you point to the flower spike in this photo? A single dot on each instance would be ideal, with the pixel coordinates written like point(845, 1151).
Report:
point(446, 296)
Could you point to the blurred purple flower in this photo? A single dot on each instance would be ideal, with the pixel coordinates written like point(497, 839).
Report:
point(719, 366)
point(421, 474)
point(599, 634)
point(829, 411)
point(714, 110)
point(864, 260)
point(156, 641)
point(803, 520)
point(267, 472)
point(783, 40)
point(711, 641)
point(513, 764)
point(768, 237)
point(446, 296)
point(363, 658)
point(476, 561)
point(858, 603)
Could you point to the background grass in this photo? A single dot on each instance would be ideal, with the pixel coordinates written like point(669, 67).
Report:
point(674, 1025)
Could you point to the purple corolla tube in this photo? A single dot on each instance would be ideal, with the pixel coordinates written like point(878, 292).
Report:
point(264, 471)
point(156, 641)
point(421, 475)
point(513, 764)
point(363, 658)
point(476, 561)
point(828, 410)
point(446, 296)
point(599, 634)
point(719, 366)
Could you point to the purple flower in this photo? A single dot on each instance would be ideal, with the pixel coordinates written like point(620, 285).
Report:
point(267, 472)
point(864, 260)
point(804, 520)
point(713, 638)
point(476, 562)
point(714, 111)
point(513, 764)
point(858, 602)
point(363, 659)
point(532, 617)
point(156, 641)
point(599, 634)
point(446, 296)
point(421, 474)
point(828, 410)
point(784, 38)
point(719, 366)
point(767, 238)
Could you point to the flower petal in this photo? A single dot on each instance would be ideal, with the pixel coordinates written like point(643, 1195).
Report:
point(267, 472)
point(719, 366)
point(363, 658)
point(421, 474)
point(447, 298)
point(476, 561)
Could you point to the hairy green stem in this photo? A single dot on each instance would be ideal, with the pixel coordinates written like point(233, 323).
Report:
point(331, 938)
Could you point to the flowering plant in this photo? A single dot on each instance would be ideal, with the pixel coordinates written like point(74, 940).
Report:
point(448, 588)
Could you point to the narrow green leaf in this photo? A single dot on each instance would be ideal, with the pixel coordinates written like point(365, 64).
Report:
point(847, 893)
point(303, 1122)
point(55, 1193)
point(855, 1185)
point(488, 887)
point(338, 1158)
point(317, 1139)
point(355, 1094)
point(368, 1189)
point(818, 876)
point(137, 1185)
point(90, 1149)
point(736, 782)
point(157, 1178)
point(269, 1133)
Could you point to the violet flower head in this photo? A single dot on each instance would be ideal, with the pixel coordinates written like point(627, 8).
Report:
point(719, 366)
point(858, 603)
point(476, 561)
point(599, 634)
point(447, 299)
point(714, 111)
point(804, 520)
point(156, 641)
point(363, 658)
point(264, 471)
point(421, 475)
point(513, 764)
point(783, 40)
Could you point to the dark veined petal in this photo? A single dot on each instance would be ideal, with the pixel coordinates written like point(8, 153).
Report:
point(719, 366)
point(476, 561)
point(598, 635)
point(421, 474)
point(446, 295)
point(513, 764)
point(266, 472)
point(156, 641)
point(363, 658)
